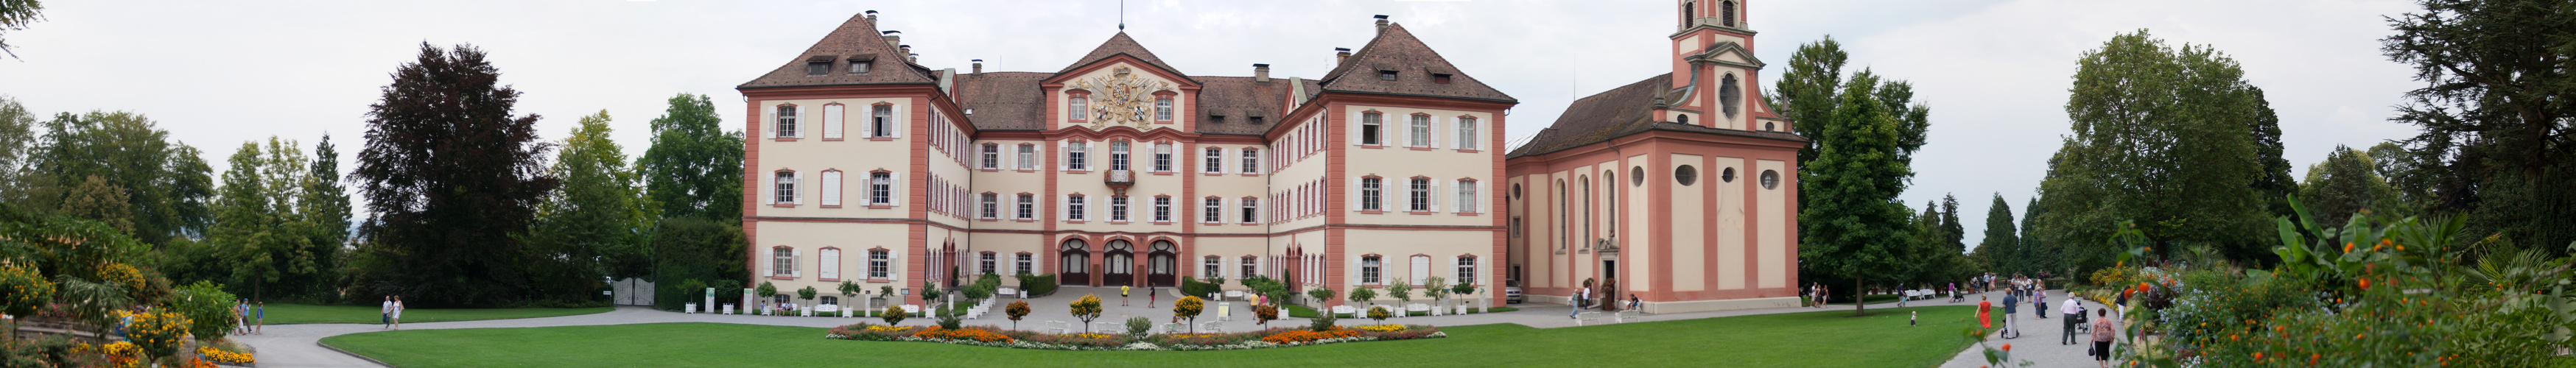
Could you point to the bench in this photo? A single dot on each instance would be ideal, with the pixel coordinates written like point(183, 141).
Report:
point(1416, 307)
point(913, 310)
point(1173, 328)
point(1211, 327)
point(1625, 315)
point(1058, 327)
point(1007, 291)
point(1339, 310)
point(1234, 294)
point(1108, 327)
point(1593, 317)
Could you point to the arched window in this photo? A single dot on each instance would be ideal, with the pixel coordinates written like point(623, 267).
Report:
point(1726, 11)
point(1686, 12)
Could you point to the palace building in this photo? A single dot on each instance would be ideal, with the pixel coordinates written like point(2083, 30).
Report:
point(865, 166)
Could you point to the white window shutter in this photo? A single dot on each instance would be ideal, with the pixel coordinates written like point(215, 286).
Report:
point(1355, 193)
point(770, 117)
point(1421, 270)
point(1436, 123)
point(831, 188)
point(897, 188)
point(1065, 149)
point(1484, 204)
point(768, 189)
point(899, 121)
point(797, 189)
point(1356, 127)
point(832, 119)
point(804, 121)
point(1434, 193)
point(765, 265)
point(1407, 190)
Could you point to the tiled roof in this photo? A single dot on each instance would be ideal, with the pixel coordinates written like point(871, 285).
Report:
point(1238, 99)
point(1003, 100)
point(1395, 49)
point(1119, 44)
point(856, 38)
point(1619, 112)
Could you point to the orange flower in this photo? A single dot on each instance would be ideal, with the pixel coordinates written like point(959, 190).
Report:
point(2258, 355)
point(2007, 347)
point(2365, 284)
point(2347, 247)
point(2312, 358)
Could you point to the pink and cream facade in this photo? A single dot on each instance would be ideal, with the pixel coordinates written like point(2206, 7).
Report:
point(864, 166)
point(1679, 189)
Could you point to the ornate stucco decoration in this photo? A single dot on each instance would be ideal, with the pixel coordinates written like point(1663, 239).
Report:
point(1121, 98)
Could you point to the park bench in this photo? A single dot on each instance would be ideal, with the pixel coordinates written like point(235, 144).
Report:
point(1108, 327)
point(827, 308)
point(913, 310)
point(1007, 291)
point(1058, 327)
point(1234, 294)
point(1211, 327)
point(1416, 307)
point(1592, 317)
point(1625, 315)
point(1173, 328)
point(1339, 310)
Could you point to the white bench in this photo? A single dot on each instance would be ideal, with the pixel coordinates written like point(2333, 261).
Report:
point(1058, 327)
point(1007, 291)
point(1173, 328)
point(1234, 294)
point(1211, 327)
point(1580, 318)
point(913, 310)
point(1624, 315)
point(1108, 327)
point(1415, 307)
point(1339, 310)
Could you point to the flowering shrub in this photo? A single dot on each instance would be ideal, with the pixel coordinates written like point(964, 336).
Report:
point(199, 363)
point(211, 353)
point(977, 334)
point(158, 334)
point(1382, 328)
point(1295, 337)
point(27, 291)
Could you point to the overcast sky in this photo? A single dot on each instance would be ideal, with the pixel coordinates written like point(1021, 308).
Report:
point(1995, 73)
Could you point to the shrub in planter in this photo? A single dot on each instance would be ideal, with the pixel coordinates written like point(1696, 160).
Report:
point(1139, 326)
point(1265, 313)
point(893, 315)
point(1188, 309)
point(1321, 295)
point(1379, 313)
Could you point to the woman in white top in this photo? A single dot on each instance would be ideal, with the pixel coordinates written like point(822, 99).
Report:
point(398, 308)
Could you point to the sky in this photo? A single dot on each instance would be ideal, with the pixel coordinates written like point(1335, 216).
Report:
point(1994, 73)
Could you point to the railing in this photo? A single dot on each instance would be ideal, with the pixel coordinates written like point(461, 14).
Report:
point(1119, 178)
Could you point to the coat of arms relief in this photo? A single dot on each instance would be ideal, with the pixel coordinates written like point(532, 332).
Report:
point(1121, 98)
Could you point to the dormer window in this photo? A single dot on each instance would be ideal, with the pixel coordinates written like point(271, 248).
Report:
point(859, 65)
point(818, 65)
point(1217, 119)
point(1386, 75)
point(1439, 78)
point(1256, 120)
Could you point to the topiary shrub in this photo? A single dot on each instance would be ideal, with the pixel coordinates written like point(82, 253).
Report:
point(1016, 310)
point(1086, 309)
point(1264, 314)
point(1380, 314)
point(893, 315)
point(1322, 323)
point(1188, 308)
point(1139, 326)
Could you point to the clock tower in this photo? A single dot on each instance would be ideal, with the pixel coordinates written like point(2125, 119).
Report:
point(1714, 69)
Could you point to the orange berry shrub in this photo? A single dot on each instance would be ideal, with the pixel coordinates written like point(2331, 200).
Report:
point(2379, 290)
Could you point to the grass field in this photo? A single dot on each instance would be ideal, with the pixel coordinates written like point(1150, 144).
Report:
point(1812, 339)
point(288, 314)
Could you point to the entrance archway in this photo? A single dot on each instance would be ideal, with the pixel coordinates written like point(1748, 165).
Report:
point(1074, 266)
point(1119, 263)
point(1160, 268)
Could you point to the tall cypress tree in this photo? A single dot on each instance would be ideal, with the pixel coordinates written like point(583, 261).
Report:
point(2000, 241)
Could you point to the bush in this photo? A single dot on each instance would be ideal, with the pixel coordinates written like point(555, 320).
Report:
point(1016, 310)
point(27, 290)
point(1139, 326)
point(159, 334)
point(1193, 287)
point(1038, 285)
point(948, 318)
point(204, 301)
point(1086, 309)
point(1188, 308)
point(1321, 295)
point(1380, 313)
point(893, 315)
point(1322, 322)
point(1265, 313)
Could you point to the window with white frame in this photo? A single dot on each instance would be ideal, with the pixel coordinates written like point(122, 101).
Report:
point(786, 121)
point(1117, 155)
point(1118, 208)
point(1162, 157)
point(1420, 200)
point(1372, 129)
point(992, 206)
point(1251, 210)
point(1074, 208)
point(1028, 157)
point(832, 116)
point(1026, 264)
point(827, 266)
point(987, 265)
point(831, 187)
point(992, 156)
point(1077, 155)
point(1251, 266)
point(1419, 133)
point(880, 188)
point(1467, 137)
point(1467, 198)
point(1214, 210)
point(1215, 161)
point(1372, 270)
point(1420, 269)
point(1215, 267)
point(1251, 160)
point(783, 187)
point(1163, 108)
point(782, 262)
point(1466, 270)
point(1078, 107)
point(1162, 209)
point(1372, 194)
point(881, 121)
point(880, 263)
point(1028, 207)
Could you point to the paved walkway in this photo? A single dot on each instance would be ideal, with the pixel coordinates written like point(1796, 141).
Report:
point(297, 346)
point(2039, 338)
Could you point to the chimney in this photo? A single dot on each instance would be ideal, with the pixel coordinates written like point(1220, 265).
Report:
point(979, 66)
point(1381, 22)
point(893, 38)
point(1261, 73)
point(911, 57)
point(872, 17)
point(1340, 55)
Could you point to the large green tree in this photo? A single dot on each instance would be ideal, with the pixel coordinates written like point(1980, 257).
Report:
point(1811, 91)
point(324, 206)
point(452, 179)
point(17, 141)
point(694, 168)
point(2001, 245)
point(2496, 142)
point(1855, 228)
point(164, 181)
point(704, 250)
point(257, 230)
point(592, 227)
point(2160, 138)
point(2345, 183)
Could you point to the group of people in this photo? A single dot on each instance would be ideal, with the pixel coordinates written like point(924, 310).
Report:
point(2071, 311)
point(249, 318)
point(1583, 299)
point(1816, 293)
point(392, 312)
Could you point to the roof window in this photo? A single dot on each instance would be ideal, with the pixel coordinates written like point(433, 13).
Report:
point(859, 64)
point(818, 65)
point(1439, 78)
point(1386, 75)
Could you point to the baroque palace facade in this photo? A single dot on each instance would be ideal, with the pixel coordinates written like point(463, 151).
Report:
point(867, 167)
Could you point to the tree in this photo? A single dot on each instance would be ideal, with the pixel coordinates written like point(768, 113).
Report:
point(130, 152)
point(2000, 246)
point(694, 168)
point(1855, 229)
point(698, 249)
point(2345, 183)
point(452, 180)
point(591, 228)
point(1086, 309)
point(2160, 138)
point(1402, 290)
point(1812, 90)
point(95, 199)
point(258, 232)
point(1437, 289)
point(2034, 253)
point(17, 140)
point(2275, 184)
point(806, 293)
point(324, 207)
point(2405, 175)
point(1362, 294)
point(1188, 308)
point(2496, 143)
point(1017, 309)
point(1322, 295)
point(15, 15)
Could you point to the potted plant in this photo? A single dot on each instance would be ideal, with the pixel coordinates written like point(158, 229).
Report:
point(1463, 289)
point(806, 294)
point(1402, 290)
point(1438, 289)
point(1363, 295)
point(849, 291)
point(765, 291)
point(893, 315)
point(1321, 295)
point(1379, 313)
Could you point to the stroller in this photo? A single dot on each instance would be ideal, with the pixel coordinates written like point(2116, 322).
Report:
point(2083, 322)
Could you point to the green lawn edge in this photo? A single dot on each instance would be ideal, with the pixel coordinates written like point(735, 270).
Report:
point(291, 314)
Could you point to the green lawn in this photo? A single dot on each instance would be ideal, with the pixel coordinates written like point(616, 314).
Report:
point(288, 314)
point(1812, 339)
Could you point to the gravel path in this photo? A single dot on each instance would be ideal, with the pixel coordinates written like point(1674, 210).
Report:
point(297, 346)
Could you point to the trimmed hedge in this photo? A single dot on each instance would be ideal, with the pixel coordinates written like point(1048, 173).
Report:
point(1038, 285)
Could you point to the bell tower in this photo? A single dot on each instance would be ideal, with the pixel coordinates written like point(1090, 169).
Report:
point(1713, 62)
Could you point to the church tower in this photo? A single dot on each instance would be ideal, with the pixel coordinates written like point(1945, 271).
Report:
point(1714, 71)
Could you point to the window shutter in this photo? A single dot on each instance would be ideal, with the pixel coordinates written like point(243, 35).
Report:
point(1484, 203)
point(897, 190)
point(900, 121)
point(804, 121)
point(1436, 123)
point(771, 117)
point(1434, 193)
point(832, 119)
point(768, 189)
point(830, 264)
point(831, 188)
point(1355, 194)
point(1407, 190)
point(765, 265)
point(794, 256)
point(1356, 126)
point(1421, 269)
point(1064, 149)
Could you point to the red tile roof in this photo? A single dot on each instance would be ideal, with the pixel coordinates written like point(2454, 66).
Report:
point(1395, 49)
point(855, 38)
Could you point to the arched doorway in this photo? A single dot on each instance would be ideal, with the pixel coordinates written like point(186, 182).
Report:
point(1119, 263)
point(1160, 265)
point(1074, 263)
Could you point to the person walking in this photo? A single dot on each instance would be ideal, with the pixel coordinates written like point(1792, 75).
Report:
point(1122, 295)
point(398, 309)
point(240, 308)
point(259, 318)
point(2039, 302)
point(1575, 301)
point(2074, 307)
point(2102, 333)
point(1984, 318)
point(2012, 308)
point(386, 313)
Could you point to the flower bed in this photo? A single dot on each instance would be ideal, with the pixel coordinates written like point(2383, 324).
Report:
point(221, 356)
point(997, 337)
